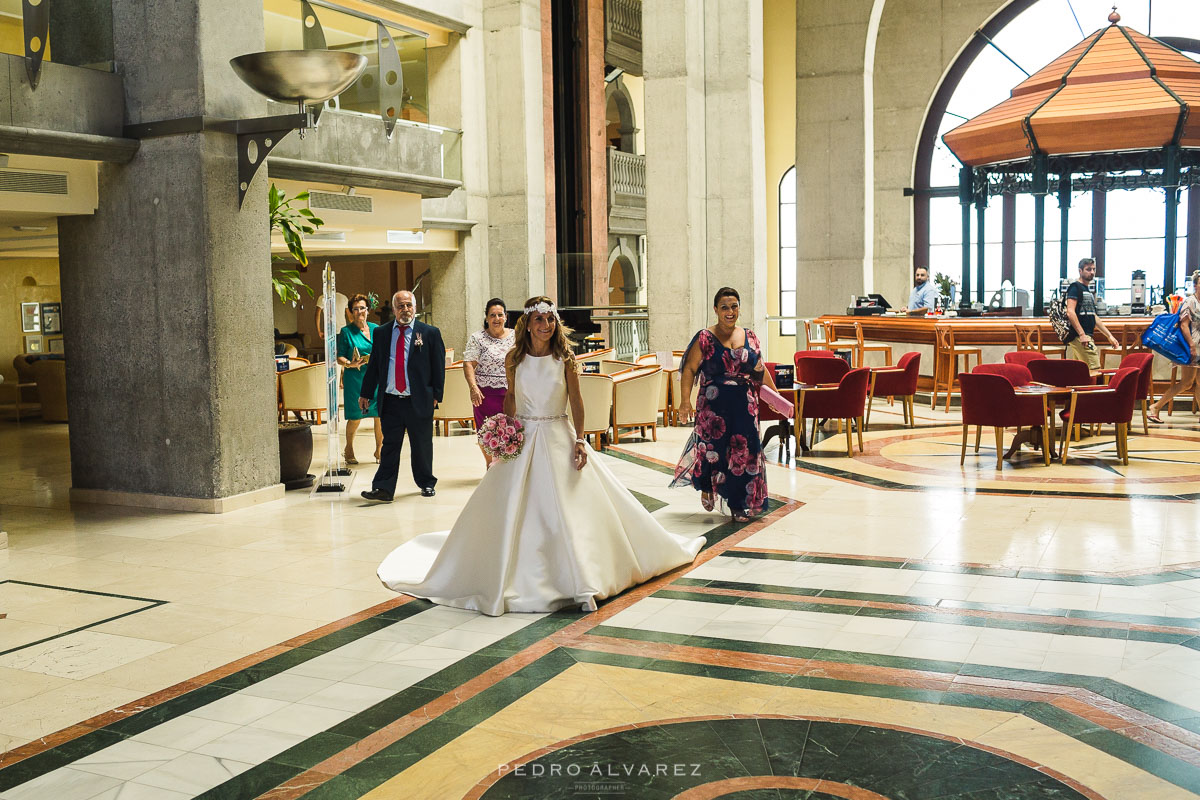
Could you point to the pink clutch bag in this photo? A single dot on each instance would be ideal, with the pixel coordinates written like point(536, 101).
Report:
point(775, 401)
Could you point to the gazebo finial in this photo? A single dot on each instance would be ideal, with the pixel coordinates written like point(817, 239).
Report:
point(1114, 17)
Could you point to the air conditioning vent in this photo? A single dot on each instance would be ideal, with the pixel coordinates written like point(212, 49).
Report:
point(333, 201)
point(406, 237)
point(12, 180)
point(329, 236)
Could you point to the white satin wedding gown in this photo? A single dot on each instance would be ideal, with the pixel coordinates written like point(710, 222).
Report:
point(537, 534)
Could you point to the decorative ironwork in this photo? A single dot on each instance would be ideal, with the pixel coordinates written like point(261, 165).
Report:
point(391, 79)
point(35, 18)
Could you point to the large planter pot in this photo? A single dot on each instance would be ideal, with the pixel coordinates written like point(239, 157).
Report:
point(295, 454)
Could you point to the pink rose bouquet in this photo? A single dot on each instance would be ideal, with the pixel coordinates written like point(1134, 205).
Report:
point(502, 437)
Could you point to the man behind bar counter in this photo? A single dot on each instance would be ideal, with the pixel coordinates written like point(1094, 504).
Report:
point(924, 294)
point(1081, 311)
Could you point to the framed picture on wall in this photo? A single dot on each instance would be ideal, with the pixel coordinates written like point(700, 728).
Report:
point(51, 318)
point(55, 345)
point(31, 318)
point(33, 344)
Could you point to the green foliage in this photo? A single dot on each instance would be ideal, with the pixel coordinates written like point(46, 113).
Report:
point(943, 283)
point(294, 224)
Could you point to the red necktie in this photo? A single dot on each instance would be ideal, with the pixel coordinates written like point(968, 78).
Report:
point(401, 379)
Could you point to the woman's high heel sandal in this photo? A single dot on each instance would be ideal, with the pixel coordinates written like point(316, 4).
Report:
point(350, 459)
point(706, 500)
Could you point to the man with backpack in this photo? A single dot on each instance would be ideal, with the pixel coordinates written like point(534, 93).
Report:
point(1081, 313)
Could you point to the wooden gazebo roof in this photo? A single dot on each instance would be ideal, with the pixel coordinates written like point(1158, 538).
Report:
point(1117, 90)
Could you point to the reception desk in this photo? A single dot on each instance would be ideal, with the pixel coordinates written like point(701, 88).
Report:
point(994, 336)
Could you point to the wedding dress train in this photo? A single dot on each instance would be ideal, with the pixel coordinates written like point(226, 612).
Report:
point(537, 534)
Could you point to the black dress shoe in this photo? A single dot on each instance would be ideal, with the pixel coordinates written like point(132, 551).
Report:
point(428, 491)
point(377, 494)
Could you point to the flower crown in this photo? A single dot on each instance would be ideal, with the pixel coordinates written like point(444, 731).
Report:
point(543, 307)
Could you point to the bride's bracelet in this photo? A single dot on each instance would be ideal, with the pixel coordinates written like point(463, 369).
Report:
point(581, 441)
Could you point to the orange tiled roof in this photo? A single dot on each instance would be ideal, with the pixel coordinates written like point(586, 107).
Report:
point(1116, 90)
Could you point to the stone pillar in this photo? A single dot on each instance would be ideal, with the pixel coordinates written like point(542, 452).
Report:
point(830, 165)
point(705, 163)
point(677, 288)
point(461, 283)
point(515, 147)
point(735, 151)
point(171, 388)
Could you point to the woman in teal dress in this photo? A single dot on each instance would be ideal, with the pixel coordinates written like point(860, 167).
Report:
point(356, 337)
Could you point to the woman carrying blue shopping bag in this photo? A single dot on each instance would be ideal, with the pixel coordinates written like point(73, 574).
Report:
point(1189, 326)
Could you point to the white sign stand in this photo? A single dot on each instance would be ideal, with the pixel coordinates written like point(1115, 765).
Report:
point(335, 470)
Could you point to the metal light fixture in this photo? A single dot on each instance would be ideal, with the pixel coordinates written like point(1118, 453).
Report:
point(305, 77)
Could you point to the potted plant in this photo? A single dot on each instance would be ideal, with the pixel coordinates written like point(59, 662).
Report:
point(295, 438)
point(946, 288)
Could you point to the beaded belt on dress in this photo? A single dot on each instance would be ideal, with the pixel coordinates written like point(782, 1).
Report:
point(541, 419)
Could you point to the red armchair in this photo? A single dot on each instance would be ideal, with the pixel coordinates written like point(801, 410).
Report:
point(1112, 404)
point(845, 401)
point(1015, 374)
point(1064, 372)
point(898, 381)
point(990, 400)
point(1144, 363)
point(1023, 357)
point(820, 370)
point(799, 354)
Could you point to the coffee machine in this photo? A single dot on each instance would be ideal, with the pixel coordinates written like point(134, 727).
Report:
point(1137, 292)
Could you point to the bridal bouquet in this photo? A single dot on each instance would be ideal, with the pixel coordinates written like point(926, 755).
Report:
point(502, 437)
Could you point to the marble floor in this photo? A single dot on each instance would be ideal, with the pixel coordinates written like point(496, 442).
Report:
point(896, 626)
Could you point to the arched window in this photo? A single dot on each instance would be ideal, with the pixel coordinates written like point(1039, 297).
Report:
point(1123, 229)
point(787, 251)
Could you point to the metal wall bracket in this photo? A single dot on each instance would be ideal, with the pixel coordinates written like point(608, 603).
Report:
point(35, 17)
point(255, 137)
point(313, 35)
point(391, 79)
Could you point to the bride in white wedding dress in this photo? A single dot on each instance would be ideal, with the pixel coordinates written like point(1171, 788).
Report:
point(552, 528)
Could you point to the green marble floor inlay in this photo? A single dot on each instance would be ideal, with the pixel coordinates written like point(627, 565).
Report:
point(660, 761)
point(1135, 753)
point(1141, 579)
point(946, 615)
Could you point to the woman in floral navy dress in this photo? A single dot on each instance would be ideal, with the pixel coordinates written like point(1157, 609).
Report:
point(723, 457)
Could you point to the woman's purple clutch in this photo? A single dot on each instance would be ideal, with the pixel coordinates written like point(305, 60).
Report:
point(777, 402)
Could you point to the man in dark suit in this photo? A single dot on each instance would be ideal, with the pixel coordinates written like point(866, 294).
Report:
point(406, 374)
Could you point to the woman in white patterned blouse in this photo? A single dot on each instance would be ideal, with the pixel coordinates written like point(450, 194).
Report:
point(483, 363)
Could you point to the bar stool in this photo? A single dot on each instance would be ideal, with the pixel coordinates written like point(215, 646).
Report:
point(833, 343)
point(1029, 337)
point(1129, 341)
point(864, 348)
point(811, 341)
point(945, 363)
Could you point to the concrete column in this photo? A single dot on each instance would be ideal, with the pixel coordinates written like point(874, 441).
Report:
point(461, 280)
point(830, 164)
point(705, 163)
point(677, 289)
point(516, 162)
point(170, 383)
point(736, 156)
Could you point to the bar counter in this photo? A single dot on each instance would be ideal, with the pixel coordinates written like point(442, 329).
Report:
point(993, 335)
